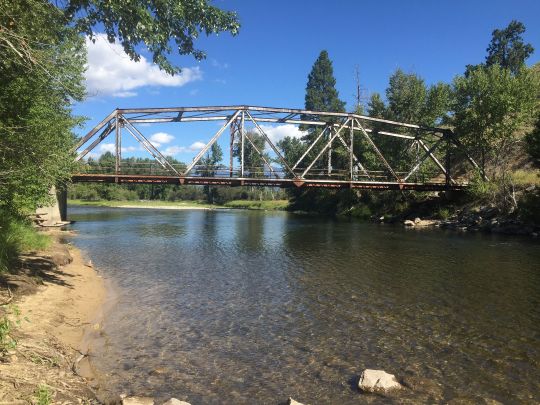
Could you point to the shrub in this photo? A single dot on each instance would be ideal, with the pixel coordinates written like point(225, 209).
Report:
point(16, 236)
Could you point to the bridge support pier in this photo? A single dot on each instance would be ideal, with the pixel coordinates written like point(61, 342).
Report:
point(54, 214)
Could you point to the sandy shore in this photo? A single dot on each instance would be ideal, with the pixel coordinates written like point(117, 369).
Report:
point(166, 207)
point(54, 320)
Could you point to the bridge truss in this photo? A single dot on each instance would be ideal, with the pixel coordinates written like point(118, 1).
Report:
point(334, 156)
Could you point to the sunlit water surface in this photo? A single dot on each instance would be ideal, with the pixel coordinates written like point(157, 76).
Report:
point(238, 307)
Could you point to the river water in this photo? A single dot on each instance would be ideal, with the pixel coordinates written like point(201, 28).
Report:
point(241, 307)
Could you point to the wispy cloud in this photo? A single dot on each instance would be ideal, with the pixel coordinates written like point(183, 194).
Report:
point(175, 150)
point(110, 72)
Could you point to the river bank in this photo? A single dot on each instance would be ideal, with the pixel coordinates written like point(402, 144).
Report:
point(264, 205)
point(56, 302)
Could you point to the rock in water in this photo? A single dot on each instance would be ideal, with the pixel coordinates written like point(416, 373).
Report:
point(408, 222)
point(174, 401)
point(293, 402)
point(137, 401)
point(377, 381)
point(89, 263)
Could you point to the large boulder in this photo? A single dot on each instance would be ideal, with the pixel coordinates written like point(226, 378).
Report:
point(378, 381)
point(174, 401)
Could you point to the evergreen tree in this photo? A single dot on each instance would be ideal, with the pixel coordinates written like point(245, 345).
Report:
point(507, 48)
point(321, 93)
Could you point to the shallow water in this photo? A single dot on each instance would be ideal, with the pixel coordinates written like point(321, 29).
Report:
point(237, 307)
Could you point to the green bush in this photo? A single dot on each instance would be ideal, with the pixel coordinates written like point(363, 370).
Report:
point(481, 190)
point(444, 213)
point(16, 236)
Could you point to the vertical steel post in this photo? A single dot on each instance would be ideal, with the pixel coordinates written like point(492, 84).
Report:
point(351, 152)
point(117, 147)
point(243, 138)
point(448, 176)
point(234, 128)
point(330, 154)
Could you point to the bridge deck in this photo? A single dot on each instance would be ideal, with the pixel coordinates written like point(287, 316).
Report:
point(264, 182)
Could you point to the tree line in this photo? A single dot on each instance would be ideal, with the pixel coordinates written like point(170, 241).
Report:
point(491, 108)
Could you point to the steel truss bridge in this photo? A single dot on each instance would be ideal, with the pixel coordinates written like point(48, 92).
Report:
point(318, 166)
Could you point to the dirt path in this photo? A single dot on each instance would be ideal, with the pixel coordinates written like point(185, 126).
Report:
point(53, 322)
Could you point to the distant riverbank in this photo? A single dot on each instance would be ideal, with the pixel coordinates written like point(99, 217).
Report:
point(265, 205)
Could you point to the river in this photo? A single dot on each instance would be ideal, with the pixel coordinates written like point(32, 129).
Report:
point(242, 307)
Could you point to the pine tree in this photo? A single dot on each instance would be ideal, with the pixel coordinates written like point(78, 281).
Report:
point(321, 93)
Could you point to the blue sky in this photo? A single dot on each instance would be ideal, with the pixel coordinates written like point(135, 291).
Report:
point(268, 62)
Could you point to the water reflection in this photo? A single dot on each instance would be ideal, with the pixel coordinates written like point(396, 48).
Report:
point(248, 307)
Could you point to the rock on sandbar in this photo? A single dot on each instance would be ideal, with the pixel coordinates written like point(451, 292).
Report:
point(174, 401)
point(378, 381)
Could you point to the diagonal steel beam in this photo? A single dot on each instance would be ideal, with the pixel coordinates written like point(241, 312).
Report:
point(310, 147)
point(377, 150)
point(276, 151)
point(432, 156)
point(96, 129)
point(209, 144)
point(104, 134)
point(325, 147)
point(260, 153)
point(423, 158)
point(149, 147)
point(354, 158)
point(460, 146)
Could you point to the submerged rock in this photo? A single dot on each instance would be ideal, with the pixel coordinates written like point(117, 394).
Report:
point(174, 401)
point(378, 381)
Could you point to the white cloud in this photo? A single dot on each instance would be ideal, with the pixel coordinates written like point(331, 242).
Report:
point(174, 150)
point(197, 145)
point(160, 138)
point(111, 72)
point(277, 133)
point(107, 147)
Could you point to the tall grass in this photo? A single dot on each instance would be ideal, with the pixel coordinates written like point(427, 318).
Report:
point(17, 236)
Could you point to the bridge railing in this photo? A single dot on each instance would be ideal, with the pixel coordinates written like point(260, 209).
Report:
point(222, 171)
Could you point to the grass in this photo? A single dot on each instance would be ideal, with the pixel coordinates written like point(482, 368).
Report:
point(526, 177)
point(18, 236)
point(43, 395)
point(269, 205)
